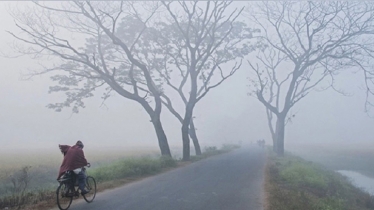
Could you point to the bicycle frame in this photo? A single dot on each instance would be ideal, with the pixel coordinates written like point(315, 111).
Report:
point(70, 179)
point(69, 188)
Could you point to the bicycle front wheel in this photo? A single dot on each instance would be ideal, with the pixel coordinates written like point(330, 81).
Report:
point(63, 198)
point(91, 187)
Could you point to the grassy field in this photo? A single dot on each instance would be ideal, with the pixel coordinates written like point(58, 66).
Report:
point(293, 184)
point(353, 156)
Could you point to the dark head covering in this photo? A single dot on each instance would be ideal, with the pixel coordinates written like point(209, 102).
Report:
point(80, 144)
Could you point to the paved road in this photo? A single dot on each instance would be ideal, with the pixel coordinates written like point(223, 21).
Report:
point(232, 181)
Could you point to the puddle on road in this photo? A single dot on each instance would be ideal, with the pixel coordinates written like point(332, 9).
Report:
point(359, 180)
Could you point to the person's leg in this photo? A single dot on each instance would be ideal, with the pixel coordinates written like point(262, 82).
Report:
point(82, 182)
point(69, 191)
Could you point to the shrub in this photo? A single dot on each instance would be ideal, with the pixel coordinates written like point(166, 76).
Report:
point(167, 162)
point(18, 185)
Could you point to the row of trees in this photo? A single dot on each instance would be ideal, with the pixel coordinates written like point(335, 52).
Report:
point(147, 51)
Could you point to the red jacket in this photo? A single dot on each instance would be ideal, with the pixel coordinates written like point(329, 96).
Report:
point(73, 159)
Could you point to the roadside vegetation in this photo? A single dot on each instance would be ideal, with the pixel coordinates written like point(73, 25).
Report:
point(293, 183)
point(19, 195)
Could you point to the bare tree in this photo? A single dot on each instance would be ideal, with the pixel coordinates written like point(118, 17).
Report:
point(309, 43)
point(200, 37)
point(112, 54)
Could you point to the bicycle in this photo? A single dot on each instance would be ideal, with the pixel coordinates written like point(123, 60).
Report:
point(68, 189)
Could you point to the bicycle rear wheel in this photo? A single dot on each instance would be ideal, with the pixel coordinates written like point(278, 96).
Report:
point(91, 187)
point(63, 200)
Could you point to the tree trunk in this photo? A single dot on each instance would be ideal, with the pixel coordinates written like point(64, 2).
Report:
point(274, 138)
point(186, 141)
point(271, 128)
point(156, 121)
point(189, 107)
point(280, 128)
point(162, 140)
point(185, 128)
point(275, 145)
point(192, 132)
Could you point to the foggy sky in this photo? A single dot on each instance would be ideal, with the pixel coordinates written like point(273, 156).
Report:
point(225, 115)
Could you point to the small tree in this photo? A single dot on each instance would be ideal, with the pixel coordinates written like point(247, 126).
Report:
point(308, 43)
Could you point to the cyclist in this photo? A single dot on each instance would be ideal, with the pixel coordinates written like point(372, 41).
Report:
point(74, 160)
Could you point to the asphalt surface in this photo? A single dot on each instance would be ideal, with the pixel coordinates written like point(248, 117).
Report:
point(232, 181)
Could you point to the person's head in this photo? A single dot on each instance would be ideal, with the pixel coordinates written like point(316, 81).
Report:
point(80, 144)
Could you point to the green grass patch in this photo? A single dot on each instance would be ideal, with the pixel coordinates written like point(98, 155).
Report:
point(132, 167)
point(293, 184)
point(299, 173)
